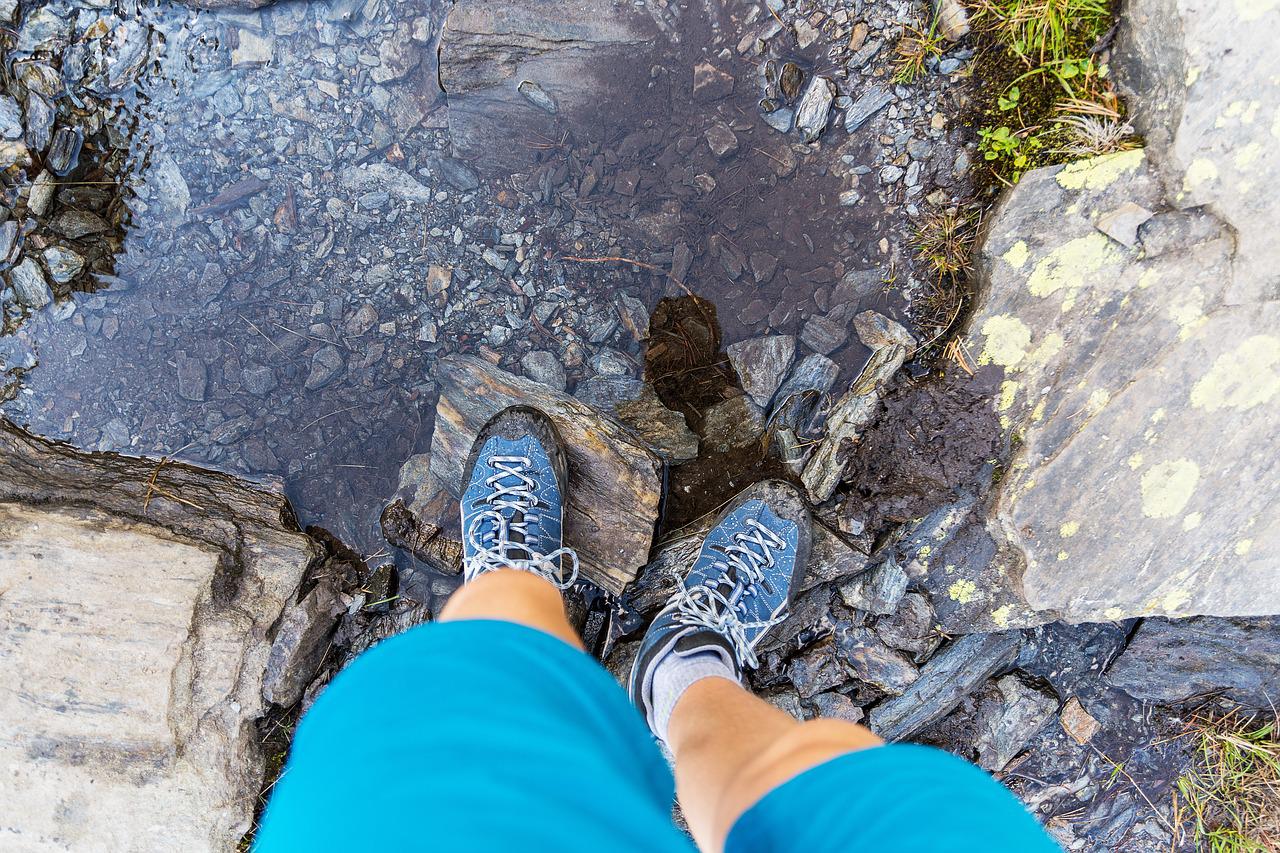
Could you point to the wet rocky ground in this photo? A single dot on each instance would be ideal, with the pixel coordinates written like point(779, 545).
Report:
point(249, 239)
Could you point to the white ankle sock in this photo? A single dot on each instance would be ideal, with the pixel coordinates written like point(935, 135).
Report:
point(674, 675)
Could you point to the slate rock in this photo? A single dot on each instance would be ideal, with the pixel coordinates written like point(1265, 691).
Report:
point(710, 83)
point(911, 627)
point(542, 366)
point(721, 140)
point(1170, 347)
point(1171, 660)
point(613, 508)
point(761, 364)
point(326, 365)
point(193, 378)
point(1008, 716)
point(951, 675)
point(301, 641)
point(733, 423)
point(872, 662)
point(179, 606)
point(814, 109)
point(872, 101)
point(635, 404)
point(29, 284)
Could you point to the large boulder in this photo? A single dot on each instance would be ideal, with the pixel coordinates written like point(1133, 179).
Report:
point(1201, 80)
point(1137, 391)
point(517, 72)
point(138, 602)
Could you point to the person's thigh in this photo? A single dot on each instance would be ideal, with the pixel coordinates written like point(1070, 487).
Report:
point(477, 736)
point(904, 798)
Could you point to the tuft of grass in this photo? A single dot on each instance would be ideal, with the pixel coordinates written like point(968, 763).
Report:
point(944, 239)
point(1093, 136)
point(1230, 801)
point(1044, 31)
point(914, 49)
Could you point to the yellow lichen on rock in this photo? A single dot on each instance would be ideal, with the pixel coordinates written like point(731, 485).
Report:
point(1243, 547)
point(1017, 255)
point(1072, 265)
point(1098, 173)
point(1167, 486)
point(1192, 521)
point(1007, 341)
point(963, 591)
point(1000, 616)
point(1199, 173)
point(1071, 528)
point(1245, 377)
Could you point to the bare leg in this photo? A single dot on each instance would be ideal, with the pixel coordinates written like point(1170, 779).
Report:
point(511, 596)
point(732, 748)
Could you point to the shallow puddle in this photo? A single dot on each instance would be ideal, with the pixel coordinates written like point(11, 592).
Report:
point(280, 243)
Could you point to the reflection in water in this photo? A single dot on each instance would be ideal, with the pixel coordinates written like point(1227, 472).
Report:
point(286, 245)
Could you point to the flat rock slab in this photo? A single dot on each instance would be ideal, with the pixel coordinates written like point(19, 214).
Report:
point(615, 482)
point(1141, 395)
point(516, 71)
point(133, 645)
point(1201, 80)
point(1171, 660)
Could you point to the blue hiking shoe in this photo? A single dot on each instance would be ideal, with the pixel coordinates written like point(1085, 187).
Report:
point(513, 506)
point(740, 586)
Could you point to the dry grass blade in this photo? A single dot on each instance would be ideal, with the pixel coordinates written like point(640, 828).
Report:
point(914, 49)
point(1230, 802)
point(1092, 136)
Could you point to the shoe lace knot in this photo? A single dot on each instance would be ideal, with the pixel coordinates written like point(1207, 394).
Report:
point(721, 602)
point(500, 535)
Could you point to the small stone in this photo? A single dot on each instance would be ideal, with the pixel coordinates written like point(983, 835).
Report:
point(761, 364)
point(763, 266)
point(1078, 722)
point(780, 120)
point(871, 661)
point(823, 334)
point(610, 362)
point(29, 284)
point(361, 321)
point(326, 364)
point(494, 259)
point(438, 279)
point(858, 37)
point(259, 380)
point(76, 224)
point(457, 174)
point(911, 628)
point(251, 49)
point(64, 264)
point(806, 34)
point(193, 378)
point(864, 55)
point(837, 706)
point(1122, 224)
point(732, 423)
point(815, 372)
point(10, 118)
point(64, 150)
point(815, 108)
point(710, 83)
point(536, 95)
point(871, 102)
point(1009, 713)
point(542, 366)
point(890, 174)
point(41, 193)
point(721, 140)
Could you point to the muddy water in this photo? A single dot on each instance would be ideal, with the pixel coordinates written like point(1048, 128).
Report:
point(292, 247)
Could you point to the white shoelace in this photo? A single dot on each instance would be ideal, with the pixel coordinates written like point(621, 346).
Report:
point(493, 548)
point(707, 606)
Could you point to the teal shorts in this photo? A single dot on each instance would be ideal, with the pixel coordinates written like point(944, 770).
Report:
point(489, 736)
